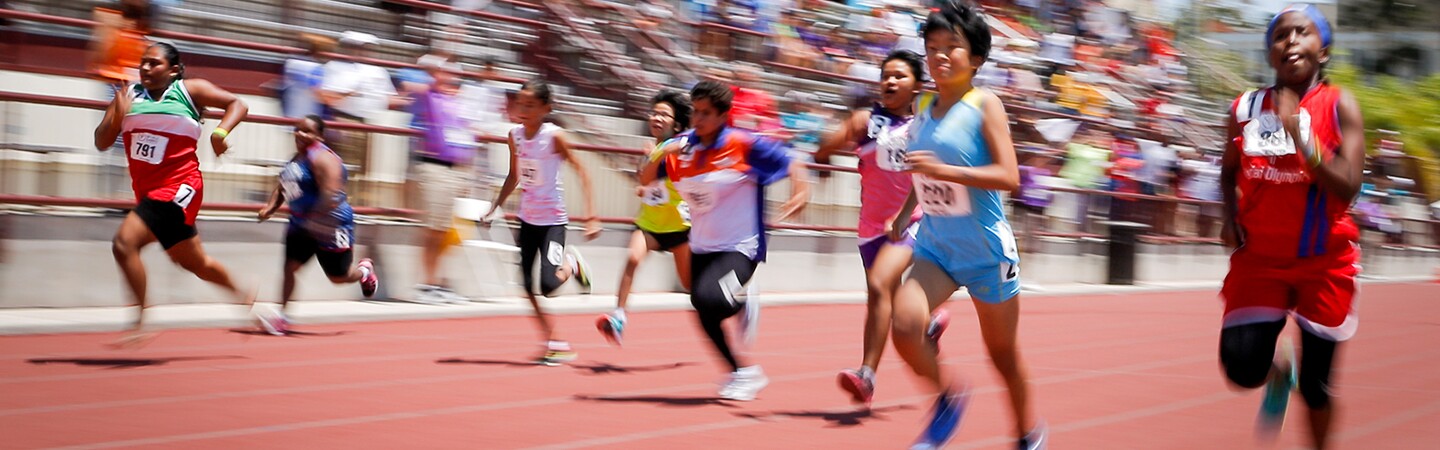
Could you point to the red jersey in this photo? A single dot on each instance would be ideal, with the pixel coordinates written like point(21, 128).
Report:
point(1285, 214)
point(160, 138)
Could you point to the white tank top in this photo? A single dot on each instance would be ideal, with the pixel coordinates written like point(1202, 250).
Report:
point(542, 200)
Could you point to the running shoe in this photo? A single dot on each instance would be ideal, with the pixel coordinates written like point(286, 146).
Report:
point(1277, 394)
point(448, 295)
point(944, 421)
point(745, 384)
point(371, 281)
point(612, 328)
point(274, 324)
point(582, 269)
point(1037, 439)
point(553, 357)
point(429, 295)
point(939, 321)
point(859, 383)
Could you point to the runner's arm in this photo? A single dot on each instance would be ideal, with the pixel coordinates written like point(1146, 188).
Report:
point(842, 138)
point(1341, 175)
point(510, 178)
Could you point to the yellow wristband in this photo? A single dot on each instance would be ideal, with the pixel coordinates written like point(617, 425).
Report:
point(221, 132)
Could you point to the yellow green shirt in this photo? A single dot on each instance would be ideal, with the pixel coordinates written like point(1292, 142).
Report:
point(661, 209)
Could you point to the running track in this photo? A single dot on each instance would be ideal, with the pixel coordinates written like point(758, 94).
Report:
point(1109, 372)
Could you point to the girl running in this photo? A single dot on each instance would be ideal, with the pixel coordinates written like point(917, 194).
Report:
point(663, 223)
point(962, 159)
point(721, 172)
point(159, 119)
point(1290, 173)
point(537, 148)
point(322, 225)
point(879, 136)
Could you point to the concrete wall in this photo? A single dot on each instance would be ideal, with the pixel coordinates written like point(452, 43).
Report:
point(49, 261)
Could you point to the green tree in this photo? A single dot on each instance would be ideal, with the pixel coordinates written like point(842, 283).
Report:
point(1387, 14)
point(1410, 108)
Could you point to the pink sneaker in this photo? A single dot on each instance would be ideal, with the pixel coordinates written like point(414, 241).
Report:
point(371, 281)
point(939, 321)
point(860, 386)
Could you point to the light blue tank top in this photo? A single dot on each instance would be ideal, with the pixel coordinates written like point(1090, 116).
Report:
point(961, 222)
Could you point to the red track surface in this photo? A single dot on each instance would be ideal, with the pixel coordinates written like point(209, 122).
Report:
point(1109, 372)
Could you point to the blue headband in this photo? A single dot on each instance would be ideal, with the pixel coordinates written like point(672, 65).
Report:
point(1321, 24)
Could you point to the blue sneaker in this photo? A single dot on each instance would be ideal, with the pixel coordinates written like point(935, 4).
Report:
point(612, 328)
point(944, 422)
point(1277, 394)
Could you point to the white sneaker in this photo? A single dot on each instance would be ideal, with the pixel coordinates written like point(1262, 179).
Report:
point(429, 295)
point(582, 269)
point(449, 296)
point(745, 384)
point(273, 323)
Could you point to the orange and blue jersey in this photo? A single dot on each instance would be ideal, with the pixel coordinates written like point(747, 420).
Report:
point(723, 184)
point(1285, 214)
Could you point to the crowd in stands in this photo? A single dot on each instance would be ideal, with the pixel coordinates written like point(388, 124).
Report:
point(1104, 83)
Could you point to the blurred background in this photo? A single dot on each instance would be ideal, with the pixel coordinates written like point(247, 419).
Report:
point(1116, 106)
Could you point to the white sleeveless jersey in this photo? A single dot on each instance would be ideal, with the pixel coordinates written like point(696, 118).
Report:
point(542, 200)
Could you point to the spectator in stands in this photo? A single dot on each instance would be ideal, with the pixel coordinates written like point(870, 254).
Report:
point(1033, 196)
point(1124, 173)
point(304, 74)
point(1156, 178)
point(804, 122)
point(356, 92)
point(753, 108)
point(1201, 175)
point(447, 147)
point(118, 41)
point(790, 48)
point(1086, 159)
point(116, 46)
point(1064, 91)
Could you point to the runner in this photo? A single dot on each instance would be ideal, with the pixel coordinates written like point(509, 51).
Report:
point(537, 148)
point(322, 224)
point(879, 136)
point(1292, 168)
point(962, 159)
point(663, 223)
point(721, 172)
point(159, 119)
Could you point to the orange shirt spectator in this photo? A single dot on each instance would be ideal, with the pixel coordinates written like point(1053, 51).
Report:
point(118, 43)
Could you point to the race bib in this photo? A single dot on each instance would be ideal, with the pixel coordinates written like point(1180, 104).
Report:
point(183, 196)
point(1265, 135)
point(890, 154)
point(942, 198)
point(148, 147)
point(656, 194)
point(1007, 242)
point(529, 172)
point(342, 238)
point(890, 146)
point(700, 196)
